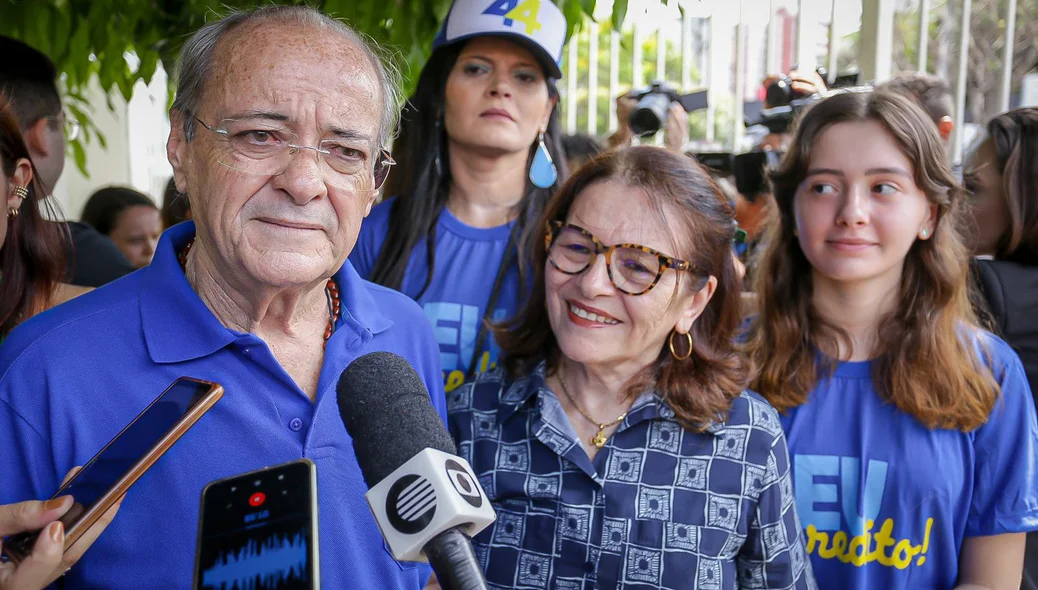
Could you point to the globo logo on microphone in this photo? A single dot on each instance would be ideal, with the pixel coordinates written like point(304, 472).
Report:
point(467, 487)
point(430, 493)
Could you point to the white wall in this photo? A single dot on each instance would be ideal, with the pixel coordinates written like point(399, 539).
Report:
point(136, 156)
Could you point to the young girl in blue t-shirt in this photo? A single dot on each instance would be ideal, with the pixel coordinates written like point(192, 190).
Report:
point(912, 431)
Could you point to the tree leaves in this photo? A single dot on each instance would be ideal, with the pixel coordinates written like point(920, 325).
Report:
point(619, 13)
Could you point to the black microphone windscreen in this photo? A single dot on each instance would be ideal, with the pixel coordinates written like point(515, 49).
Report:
point(387, 412)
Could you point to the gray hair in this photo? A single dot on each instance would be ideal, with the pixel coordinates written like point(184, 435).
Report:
point(196, 59)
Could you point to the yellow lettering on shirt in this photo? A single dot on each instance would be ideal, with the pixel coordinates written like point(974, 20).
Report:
point(456, 378)
point(881, 547)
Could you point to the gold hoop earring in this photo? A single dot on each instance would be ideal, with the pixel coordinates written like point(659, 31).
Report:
point(673, 352)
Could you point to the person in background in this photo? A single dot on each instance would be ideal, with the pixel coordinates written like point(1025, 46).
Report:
point(675, 130)
point(175, 206)
point(32, 262)
point(129, 218)
point(277, 135)
point(479, 154)
point(932, 94)
point(579, 148)
point(912, 431)
point(29, 79)
point(618, 444)
point(1002, 179)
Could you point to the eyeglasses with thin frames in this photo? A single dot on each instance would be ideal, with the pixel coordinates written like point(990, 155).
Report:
point(268, 150)
point(632, 268)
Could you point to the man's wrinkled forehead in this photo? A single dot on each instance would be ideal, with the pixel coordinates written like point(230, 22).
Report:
point(286, 62)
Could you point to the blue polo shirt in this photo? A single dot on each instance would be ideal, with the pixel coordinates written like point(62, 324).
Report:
point(73, 377)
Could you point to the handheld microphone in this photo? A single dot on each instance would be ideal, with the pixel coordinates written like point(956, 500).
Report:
point(425, 499)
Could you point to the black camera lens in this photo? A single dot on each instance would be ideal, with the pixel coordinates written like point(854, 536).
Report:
point(650, 114)
point(779, 93)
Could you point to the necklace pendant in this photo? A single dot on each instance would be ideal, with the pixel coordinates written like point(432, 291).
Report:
point(599, 440)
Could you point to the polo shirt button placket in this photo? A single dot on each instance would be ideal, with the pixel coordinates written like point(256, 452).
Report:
point(295, 424)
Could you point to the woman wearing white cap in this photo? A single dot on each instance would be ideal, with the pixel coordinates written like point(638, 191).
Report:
point(479, 154)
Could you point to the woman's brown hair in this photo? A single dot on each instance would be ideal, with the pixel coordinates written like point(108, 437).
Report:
point(32, 257)
point(927, 364)
point(701, 388)
point(1014, 139)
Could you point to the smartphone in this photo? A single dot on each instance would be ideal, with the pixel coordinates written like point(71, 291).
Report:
point(111, 472)
point(259, 530)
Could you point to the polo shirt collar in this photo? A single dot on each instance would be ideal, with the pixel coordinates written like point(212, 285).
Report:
point(179, 327)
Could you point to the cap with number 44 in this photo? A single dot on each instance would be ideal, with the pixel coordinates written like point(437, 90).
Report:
point(538, 25)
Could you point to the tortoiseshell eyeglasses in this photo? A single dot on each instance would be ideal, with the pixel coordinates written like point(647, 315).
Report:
point(632, 268)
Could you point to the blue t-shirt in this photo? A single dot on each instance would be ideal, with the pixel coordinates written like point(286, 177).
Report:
point(73, 377)
point(886, 501)
point(467, 261)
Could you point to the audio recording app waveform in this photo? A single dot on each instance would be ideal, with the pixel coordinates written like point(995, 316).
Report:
point(277, 563)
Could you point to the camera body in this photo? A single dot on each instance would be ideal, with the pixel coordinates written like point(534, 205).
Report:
point(749, 169)
point(650, 113)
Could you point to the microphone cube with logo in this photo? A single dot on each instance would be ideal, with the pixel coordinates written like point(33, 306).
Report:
point(432, 492)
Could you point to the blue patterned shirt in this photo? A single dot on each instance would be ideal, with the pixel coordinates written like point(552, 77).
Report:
point(658, 507)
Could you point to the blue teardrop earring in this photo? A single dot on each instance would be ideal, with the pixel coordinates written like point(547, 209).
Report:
point(542, 169)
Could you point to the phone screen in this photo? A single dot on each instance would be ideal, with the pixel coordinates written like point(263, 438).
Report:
point(124, 451)
point(105, 470)
point(257, 531)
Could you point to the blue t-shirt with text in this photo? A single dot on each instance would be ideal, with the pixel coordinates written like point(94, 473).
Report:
point(467, 262)
point(886, 501)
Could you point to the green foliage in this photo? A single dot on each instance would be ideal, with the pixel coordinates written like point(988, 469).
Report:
point(88, 38)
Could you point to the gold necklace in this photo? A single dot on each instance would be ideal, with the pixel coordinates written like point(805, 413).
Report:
point(599, 440)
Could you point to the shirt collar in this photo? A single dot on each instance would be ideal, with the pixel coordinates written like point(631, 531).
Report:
point(648, 405)
point(179, 327)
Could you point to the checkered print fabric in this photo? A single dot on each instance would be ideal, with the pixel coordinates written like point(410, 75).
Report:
point(659, 507)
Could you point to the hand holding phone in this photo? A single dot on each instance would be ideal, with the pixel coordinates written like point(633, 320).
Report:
point(106, 478)
point(48, 560)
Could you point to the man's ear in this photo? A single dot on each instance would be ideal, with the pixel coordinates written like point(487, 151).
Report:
point(945, 127)
point(36, 139)
point(176, 149)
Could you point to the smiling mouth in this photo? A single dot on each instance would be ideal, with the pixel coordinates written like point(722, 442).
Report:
point(591, 317)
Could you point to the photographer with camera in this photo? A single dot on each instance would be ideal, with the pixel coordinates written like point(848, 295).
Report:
point(643, 112)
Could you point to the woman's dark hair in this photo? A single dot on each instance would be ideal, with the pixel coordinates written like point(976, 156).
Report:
point(103, 208)
point(32, 257)
point(421, 180)
point(702, 224)
point(175, 206)
point(926, 365)
point(1014, 138)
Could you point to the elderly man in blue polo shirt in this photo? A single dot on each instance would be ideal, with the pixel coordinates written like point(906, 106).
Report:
point(277, 135)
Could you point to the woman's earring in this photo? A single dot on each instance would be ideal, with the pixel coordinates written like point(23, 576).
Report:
point(674, 352)
point(21, 193)
point(542, 170)
point(924, 233)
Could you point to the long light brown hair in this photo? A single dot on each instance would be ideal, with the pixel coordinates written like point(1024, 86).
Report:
point(702, 387)
point(927, 363)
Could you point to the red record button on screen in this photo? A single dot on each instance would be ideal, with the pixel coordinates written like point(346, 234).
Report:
point(257, 499)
